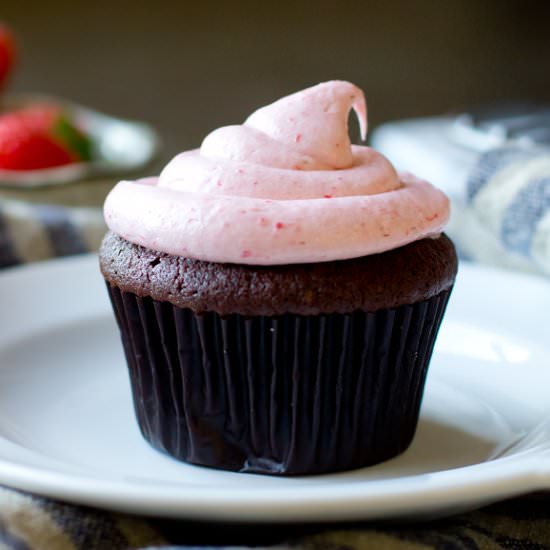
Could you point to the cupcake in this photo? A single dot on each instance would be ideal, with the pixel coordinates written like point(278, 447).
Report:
point(278, 292)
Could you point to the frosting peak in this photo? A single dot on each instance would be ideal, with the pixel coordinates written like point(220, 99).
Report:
point(304, 131)
point(286, 186)
point(314, 122)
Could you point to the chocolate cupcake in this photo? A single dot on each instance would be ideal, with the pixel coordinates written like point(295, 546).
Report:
point(279, 292)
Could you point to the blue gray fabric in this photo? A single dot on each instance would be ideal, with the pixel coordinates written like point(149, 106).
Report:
point(522, 216)
point(492, 162)
point(65, 237)
point(32, 232)
point(8, 256)
point(508, 193)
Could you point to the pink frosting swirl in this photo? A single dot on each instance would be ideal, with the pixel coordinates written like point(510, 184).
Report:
point(285, 187)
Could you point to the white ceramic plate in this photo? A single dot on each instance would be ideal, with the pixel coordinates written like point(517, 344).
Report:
point(67, 428)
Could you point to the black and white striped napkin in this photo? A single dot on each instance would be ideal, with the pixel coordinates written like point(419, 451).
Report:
point(508, 192)
point(30, 231)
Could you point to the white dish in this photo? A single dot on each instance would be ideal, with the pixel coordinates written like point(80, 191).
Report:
point(67, 429)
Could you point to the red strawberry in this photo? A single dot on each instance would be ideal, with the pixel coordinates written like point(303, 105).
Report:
point(40, 137)
point(7, 54)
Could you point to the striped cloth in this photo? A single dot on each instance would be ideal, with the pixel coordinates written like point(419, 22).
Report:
point(508, 208)
point(32, 523)
point(31, 232)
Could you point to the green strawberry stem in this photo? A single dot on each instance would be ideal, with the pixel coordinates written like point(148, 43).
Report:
point(73, 138)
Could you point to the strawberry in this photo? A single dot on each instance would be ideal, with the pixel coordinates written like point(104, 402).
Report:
point(40, 137)
point(7, 54)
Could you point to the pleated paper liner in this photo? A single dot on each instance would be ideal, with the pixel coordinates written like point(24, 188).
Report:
point(284, 395)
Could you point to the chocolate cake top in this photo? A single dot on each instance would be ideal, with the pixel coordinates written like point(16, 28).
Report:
point(401, 276)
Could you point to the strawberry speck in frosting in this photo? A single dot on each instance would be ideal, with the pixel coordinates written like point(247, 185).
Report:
point(299, 149)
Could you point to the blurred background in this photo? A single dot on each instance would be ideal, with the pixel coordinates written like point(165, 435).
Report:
point(188, 67)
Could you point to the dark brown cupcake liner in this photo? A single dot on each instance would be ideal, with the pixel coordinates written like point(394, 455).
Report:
point(282, 395)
